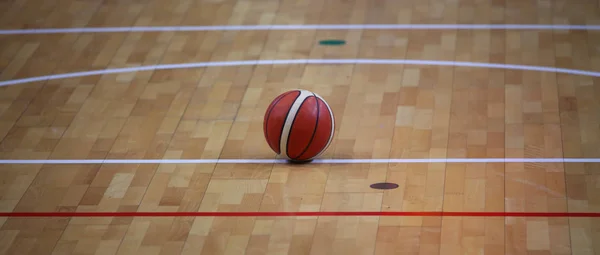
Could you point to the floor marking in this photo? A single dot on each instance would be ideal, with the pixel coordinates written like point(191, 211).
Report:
point(332, 42)
point(293, 214)
point(301, 61)
point(384, 185)
point(281, 161)
point(298, 27)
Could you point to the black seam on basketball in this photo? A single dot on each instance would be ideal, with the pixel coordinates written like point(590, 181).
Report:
point(285, 120)
point(287, 144)
point(269, 115)
point(314, 130)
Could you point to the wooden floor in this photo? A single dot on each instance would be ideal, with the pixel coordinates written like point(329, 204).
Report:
point(383, 111)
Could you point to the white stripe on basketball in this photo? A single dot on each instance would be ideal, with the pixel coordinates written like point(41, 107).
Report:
point(287, 126)
point(332, 126)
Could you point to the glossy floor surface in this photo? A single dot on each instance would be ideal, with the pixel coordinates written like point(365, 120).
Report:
point(383, 110)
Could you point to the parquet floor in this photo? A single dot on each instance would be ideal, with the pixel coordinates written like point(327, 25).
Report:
point(383, 111)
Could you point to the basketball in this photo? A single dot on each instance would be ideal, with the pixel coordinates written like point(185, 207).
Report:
point(299, 125)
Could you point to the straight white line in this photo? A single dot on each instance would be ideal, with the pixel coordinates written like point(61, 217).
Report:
point(301, 61)
point(299, 27)
point(281, 161)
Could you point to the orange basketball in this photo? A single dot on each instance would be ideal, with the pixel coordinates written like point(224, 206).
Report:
point(299, 125)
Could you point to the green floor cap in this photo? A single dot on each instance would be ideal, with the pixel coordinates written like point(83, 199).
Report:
point(332, 42)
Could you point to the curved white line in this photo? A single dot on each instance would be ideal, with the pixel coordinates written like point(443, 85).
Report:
point(299, 27)
point(304, 61)
point(316, 161)
point(301, 61)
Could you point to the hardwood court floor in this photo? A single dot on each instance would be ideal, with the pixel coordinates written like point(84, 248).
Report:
point(382, 111)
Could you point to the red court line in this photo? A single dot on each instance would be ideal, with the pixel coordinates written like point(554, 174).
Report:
point(288, 214)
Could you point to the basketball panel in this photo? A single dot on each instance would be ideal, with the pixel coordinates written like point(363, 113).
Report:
point(275, 119)
point(270, 109)
point(287, 127)
point(303, 128)
point(332, 118)
point(322, 135)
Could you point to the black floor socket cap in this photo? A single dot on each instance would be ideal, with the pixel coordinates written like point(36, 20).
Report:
point(384, 185)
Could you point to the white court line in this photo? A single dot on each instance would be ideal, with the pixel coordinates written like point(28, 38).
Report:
point(301, 61)
point(300, 27)
point(317, 161)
